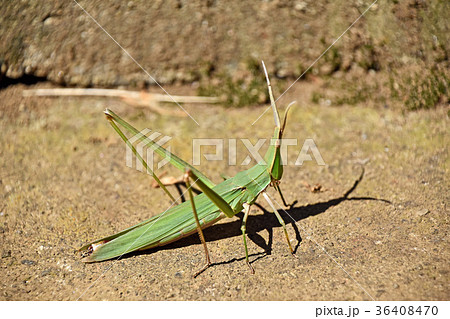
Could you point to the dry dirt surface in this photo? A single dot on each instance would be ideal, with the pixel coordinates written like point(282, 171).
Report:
point(64, 182)
point(370, 224)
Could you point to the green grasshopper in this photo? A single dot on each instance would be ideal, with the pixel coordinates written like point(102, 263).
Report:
point(226, 199)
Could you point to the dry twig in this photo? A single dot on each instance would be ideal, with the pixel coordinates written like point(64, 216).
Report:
point(144, 99)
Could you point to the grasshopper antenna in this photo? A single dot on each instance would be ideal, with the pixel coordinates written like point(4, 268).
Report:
point(276, 117)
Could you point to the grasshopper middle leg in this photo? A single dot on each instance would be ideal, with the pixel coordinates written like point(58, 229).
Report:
point(243, 229)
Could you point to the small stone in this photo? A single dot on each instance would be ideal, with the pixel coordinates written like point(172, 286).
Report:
point(423, 212)
point(28, 262)
point(283, 72)
point(29, 69)
point(51, 21)
point(300, 6)
point(46, 272)
point(358, 219)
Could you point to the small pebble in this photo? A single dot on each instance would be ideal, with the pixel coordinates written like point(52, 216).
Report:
point(27, 262)
point(46, 272)
point(178, 275)
point(423, 212)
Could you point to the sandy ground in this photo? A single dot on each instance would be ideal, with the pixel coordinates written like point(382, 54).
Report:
point(64, 182)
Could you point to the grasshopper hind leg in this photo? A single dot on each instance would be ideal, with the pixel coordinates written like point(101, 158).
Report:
point(199, 228)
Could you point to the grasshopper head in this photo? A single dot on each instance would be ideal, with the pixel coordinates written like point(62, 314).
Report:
point(273, 155)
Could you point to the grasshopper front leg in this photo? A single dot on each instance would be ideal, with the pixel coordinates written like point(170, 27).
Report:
point(280, 220)
point(277, 187)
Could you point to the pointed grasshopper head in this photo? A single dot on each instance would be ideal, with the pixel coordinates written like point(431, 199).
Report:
point(273, 155)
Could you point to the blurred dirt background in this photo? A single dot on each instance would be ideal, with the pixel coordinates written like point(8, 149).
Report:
point(378, 99)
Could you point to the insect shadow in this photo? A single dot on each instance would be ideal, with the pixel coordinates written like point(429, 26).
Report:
point(266, 221)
